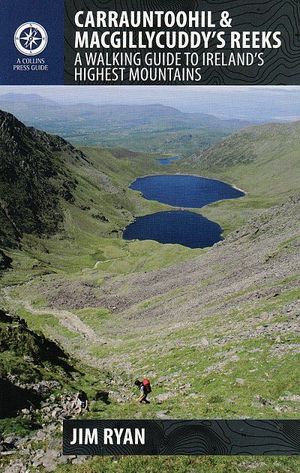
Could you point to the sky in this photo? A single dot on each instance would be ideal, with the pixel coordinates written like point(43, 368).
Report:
point(255, 102)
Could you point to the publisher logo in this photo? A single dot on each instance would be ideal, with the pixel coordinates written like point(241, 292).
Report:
point(31, 39)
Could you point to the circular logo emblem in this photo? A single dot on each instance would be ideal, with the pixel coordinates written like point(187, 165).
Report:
point(31, 38)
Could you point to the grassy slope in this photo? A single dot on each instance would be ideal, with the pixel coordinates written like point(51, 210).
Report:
point(186, 348)
point(263, 161)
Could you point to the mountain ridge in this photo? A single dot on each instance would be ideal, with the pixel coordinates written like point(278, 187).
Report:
point(164, 110)
point(161, 128)
point(32, 178)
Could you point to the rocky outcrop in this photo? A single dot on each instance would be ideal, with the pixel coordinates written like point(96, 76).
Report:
point(5, 261)
point(33, 178)
point(22, 383)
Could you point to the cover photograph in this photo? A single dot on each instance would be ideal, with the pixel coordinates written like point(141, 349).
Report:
point(149, 236)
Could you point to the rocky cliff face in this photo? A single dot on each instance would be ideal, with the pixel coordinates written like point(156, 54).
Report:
point(33, 179)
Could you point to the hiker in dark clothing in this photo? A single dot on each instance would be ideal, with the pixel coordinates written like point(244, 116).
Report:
point(145, 388)
point(82, 402)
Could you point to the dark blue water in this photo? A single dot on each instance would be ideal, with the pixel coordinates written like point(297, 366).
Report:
point(168, 161)
point(178, 226)
point(184, 190)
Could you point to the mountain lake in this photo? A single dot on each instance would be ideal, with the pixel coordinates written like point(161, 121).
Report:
point(168, 161)
point(180, 226)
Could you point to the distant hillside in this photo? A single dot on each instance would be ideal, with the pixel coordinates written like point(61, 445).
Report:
point(247, 145)
point(108, 116)
point(151, 128)
point(262, 158)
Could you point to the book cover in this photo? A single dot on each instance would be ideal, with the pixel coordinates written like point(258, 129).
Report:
point(149, 236)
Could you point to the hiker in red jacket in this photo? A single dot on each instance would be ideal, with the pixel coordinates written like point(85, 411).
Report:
point(145, 388)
